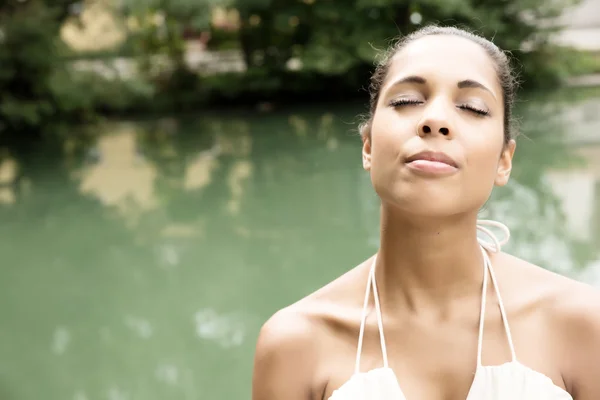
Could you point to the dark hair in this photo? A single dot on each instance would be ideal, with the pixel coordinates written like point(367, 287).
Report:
point(505, 74)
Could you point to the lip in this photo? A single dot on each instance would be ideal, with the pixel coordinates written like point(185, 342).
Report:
point(431, 162)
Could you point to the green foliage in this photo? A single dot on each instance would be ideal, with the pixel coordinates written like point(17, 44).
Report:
point(38, 98)
point(101, 94)
point(162, 27)
point(583, 63)
point(26, 56)
point(163, 24)
point(189, 13)
point(45, 98)
point(337, 37)
point(290, 47)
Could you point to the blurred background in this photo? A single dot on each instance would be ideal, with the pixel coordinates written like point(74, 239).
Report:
point(174, 171)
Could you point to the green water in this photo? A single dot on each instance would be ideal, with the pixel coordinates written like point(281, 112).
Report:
point(145, 270)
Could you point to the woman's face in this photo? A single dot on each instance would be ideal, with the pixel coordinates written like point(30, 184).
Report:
point(437, 134)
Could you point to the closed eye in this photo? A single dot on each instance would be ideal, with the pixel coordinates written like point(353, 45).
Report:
point(475, 110)
point(467, 107)
point(404, 102)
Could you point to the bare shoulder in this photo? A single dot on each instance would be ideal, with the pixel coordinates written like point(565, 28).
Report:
point(286, 330)
point(292, 342)
point(572, 311)
point(569, 302)
point(560, 294)
point(575, 315)
point(286, 353)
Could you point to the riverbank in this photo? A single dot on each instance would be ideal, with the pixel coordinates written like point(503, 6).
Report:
point(589, 80)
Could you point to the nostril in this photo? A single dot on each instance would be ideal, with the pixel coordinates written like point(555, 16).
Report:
point(426, 129)
point(444, 131)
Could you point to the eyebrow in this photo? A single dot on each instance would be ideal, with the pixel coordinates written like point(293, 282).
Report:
point(469, 83)
point(464, 84)
point(411, 79)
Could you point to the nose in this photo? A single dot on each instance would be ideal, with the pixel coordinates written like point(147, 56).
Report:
point(435, 120)
point(427, 128)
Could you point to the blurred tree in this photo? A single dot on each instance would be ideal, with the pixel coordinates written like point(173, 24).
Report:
point(38, 98)
point(341, 37)
point(159, 30)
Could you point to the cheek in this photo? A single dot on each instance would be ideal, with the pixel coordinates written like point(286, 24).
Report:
point(482, 159)
point(389, 130)
point(388, 138)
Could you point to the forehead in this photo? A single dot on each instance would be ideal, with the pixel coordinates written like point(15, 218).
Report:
point(445, 57)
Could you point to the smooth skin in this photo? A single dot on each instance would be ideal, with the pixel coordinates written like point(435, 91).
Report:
point(429, 265)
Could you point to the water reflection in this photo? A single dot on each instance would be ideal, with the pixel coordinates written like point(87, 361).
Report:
point(547, 165)
point(578, 188)
point(139, 326)
point(120, 177)
point(168, 374)
point(61, 340)
point(199, 172)
point(226, 330)
point(8, 175)
point(146, 269)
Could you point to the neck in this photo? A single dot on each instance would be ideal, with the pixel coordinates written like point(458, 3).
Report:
point(428, 264)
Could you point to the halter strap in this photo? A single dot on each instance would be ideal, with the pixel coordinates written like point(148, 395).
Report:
point(371, 282)
point(494, 246)
point(487, 265)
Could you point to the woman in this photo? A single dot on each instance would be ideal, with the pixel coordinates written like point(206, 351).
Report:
point(438, 313)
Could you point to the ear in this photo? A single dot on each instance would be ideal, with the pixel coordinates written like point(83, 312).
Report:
point(505, 163)
point(366, 148)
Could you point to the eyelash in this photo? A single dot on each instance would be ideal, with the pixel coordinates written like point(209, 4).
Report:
point(476, 110)
point(404, 102)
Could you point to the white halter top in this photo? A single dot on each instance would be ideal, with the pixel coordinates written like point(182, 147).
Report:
point(509, 381)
